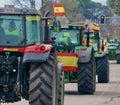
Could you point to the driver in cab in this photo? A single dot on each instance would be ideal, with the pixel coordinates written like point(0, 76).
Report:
point(65, 39)
point(12, 29)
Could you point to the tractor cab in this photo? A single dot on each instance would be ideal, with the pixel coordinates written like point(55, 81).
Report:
point(67, 38)
point(19, 27)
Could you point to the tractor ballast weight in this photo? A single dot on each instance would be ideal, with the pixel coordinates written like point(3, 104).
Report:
point(76, 59)
point(29, 68)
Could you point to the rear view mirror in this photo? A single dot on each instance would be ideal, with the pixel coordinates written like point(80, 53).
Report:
point(53, 38)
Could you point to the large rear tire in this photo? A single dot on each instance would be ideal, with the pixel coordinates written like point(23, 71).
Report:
point(103, 69)
point(86, 77)
point(43, 83)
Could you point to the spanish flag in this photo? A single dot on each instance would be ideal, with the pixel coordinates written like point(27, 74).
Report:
point(69, 61)
point(95, 27)
point(59, 10)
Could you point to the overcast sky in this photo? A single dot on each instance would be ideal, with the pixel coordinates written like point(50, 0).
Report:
point(2, 2)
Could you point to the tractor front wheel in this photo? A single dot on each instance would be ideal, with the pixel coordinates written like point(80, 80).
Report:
point(86, 77)
point(103, 69)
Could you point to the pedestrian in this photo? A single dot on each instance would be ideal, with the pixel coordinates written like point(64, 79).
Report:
point(65, 39)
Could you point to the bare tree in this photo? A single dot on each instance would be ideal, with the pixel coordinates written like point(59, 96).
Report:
point(32, 2)
point(46, 5)
point(26, 3)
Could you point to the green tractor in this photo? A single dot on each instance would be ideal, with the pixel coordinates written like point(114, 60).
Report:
point(29, 68)
point(78, 60)
point(113, 50)
point(101, 57)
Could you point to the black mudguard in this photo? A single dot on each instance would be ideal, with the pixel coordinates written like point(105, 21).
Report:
point(35, 57)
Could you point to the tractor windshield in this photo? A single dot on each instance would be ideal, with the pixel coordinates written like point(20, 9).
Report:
point(66, 36)
point(19, 30)
point(11, 29)
point(32, 29)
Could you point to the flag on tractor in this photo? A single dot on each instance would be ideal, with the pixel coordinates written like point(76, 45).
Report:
point(59, 10)
point(95, 27)
point(69, 61)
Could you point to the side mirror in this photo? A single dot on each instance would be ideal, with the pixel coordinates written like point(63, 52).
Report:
point(53, 38)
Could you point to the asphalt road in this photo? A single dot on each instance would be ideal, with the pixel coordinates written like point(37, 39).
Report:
point(106, 94)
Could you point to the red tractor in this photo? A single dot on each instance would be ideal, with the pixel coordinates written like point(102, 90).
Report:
point(28, 66)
